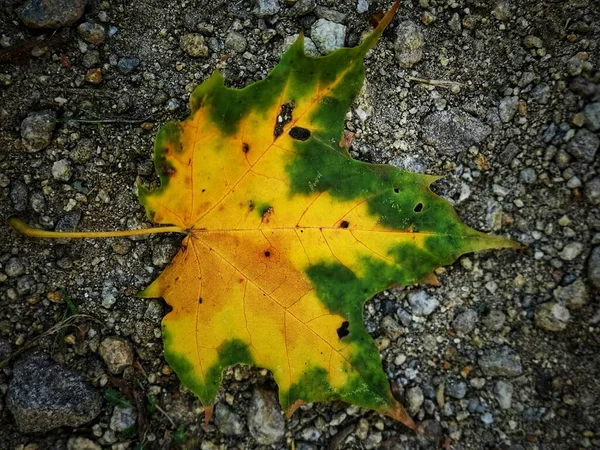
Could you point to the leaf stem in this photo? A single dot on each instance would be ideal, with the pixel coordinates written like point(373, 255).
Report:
point(23, 228)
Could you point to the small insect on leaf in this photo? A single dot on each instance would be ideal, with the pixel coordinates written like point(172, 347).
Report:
point(287, 236)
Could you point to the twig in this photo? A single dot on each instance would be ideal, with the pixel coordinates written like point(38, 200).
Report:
point(452, 85)
point(54, 329)
point(166, 415)
point(116, 120)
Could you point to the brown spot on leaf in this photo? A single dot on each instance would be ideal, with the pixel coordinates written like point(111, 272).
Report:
point(283, 118)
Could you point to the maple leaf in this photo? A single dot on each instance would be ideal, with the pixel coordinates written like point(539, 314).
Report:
point(287, 236)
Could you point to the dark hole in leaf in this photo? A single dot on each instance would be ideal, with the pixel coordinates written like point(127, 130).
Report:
point(299, 133)
point(251, 205)
point(397, 190)
point(344, 224)
point(419, 207)
point(342, 331)
point(267, 253)
point(284, 117)
point(203, 190)
point(200, 301)
point(245, 147)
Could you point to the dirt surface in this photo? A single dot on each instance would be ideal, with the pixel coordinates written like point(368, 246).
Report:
point(508, 358)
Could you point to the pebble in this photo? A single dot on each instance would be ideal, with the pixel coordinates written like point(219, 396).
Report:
point(266, 8)
point(503, 11)
point(117, 354)
point(5, 349)
point(457, 390)
point(109, 294)
point(504, 392)
point(51, 14)
point(571, 251)
point(265, 419)
point(362, 6)
point(500, 362)
point(43, 395)
point(121, 247)
point(487, 418)
point(62, 170)
point(408, 45)
point(592, 116)
point(330, 14)
point(172, 105)
point(584, 145)
point(163, 253)
point(310, 48)
point(302, 7)
point(465, 322)
point(508, 108)
point(81, 443)
point(235, 42)
point(93, 33)
point(123, 418)
point(69, 221)
point(328, 36)
point(194, 45)
point(127, 64)
point(453, 130)
point(18, 195)
point(14, 267)
point(37, 129)
point(531, 41)
point(528, 175)
point(91, 59)
point(593, 272)
point(414, 399)
point(228, 422)
point(574, 295)
point(421, 303)
point(541, 94)
point(454, 24)
point(591, 191)
point(552, 316)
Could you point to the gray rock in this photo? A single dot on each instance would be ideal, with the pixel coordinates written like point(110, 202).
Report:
point(408, 45)
point(18, 195)
point(37, 202)
point(62, 170)
point(584, 145)
point(265, 419)
point(504, 392)
point(194, 45)
point(507, 108)
point(172, 105)
point(330, 14)
point(310, 48)
point(266, 8)
point(328, 36)
point(593, 272)
point(503, 11)
point(571, 251)
point(362, 6)
point(43, 395)
point(540, 94)
point(528, 175)
point(163, 253)
point(414, 400)
point(453, 130)
point(531, 41)
point(117, 354)
point(82, 153)
point(465, 322)
point(574, 295)
point(228, 422)
point(91, 59)
point(123, 418)
point(302, 7)
point(127, 64)
point(391, 328)
point(51, 14)
point(495, 320)
point(457, 389)
point(552, 316)
point(421, 303)
point(37, 129)
point(500, 362)
point(14, 267)
point(592, 116)
point(93, 33)
point(236, 42)
point(68, 222)
point(81, 443)
point(591, 191)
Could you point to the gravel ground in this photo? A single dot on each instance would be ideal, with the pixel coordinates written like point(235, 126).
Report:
point(504, 354)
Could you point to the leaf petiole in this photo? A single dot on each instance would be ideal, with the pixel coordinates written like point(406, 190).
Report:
point(23, 228)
